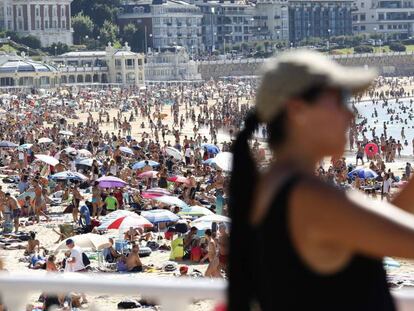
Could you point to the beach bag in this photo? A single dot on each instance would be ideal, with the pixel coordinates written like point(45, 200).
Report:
point(129, 304)
point(85, 260)
point(144, 251)
point(153, 245)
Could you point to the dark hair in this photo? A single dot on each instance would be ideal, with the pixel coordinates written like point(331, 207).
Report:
point(240, 201)
point(241, 293)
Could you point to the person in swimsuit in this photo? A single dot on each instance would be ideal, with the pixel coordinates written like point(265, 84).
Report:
point(329, 244)
point(96, 200)
point(38, 200)
point(133, 261)
point(77, 197)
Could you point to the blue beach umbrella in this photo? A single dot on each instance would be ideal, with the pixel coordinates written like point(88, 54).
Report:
point(141, 164)
point(211, 148)
point(160, 215)
point(364, 173)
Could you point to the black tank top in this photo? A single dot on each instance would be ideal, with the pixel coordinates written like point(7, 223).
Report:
point(284, 280)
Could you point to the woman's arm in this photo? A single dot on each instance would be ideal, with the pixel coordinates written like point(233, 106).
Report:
point(322, 215)
point(404, 199)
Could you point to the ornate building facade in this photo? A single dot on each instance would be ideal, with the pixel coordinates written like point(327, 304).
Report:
point(49, 20)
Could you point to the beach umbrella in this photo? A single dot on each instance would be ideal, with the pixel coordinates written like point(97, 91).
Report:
point(195, 211)
point(209, 162)
point(68, 133)
point(160, 215)
point(125, 222)
point(44, 140)
point(176, 154)
point(178, 179)
point(7, 144)
point(47, 159)
point(157, 190)
point(68, 175)
point(364, 173)
point(141, 164)
point(86, 162)
point(127, 150)
point(83, 153)
point(90, 241)
point(148, 174)
point(70, 150)
point(170, 200)
point(111, 182)
point(224, 160)
point(211, 148)
point(25, 146)
point(112, 216)
point(150, 195)
point(213, 218)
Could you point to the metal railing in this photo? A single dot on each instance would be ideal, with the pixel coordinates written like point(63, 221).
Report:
point(173, 294)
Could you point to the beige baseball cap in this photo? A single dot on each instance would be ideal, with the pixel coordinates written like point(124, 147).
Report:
point(292, 73)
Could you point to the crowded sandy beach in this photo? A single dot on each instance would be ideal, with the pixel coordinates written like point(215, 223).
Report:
point(135, 181)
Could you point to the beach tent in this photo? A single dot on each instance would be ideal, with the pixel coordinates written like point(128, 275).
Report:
point(195, 211)
point(47, 159)
point(170, 200)
point(68, 175)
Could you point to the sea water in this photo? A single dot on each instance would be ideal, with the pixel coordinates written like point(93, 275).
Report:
point(366, 109)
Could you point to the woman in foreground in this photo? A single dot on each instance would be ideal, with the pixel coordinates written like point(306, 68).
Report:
point(327, 245)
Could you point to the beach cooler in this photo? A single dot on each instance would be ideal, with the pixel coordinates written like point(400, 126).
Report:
point(121, 245)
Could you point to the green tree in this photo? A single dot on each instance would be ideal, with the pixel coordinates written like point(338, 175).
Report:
point(363, 49)
point(135, 36)
point(109, 32)
point(397, 47)
point(82, 26)
point(31, 41)
point(58, 48)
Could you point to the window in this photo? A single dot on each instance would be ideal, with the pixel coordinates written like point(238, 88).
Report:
point(362, 27)
point(19, 12)
point(63, 24)
point(362, 4)
point(54, 24)
point(37, 24)
point(62, 12)
point(362, 17)
point(381, 26)
point(20, 24)
point(389, 26)
point(46, 10)
point(37, 12)
point(46, 24)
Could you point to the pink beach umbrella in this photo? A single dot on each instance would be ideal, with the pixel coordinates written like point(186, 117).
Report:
point(148, 174)
point(178, 179)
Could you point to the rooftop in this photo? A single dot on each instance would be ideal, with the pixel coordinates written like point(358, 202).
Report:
point(14, 63)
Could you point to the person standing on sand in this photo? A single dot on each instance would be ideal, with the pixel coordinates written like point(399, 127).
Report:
point(213, 264)
point(13, 206)
point(329, 243)
point(38, 200)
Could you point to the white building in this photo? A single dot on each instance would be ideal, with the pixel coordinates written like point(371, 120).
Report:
point(165, 22)
point(49, 20)
point(119, 66)
point(171, 64)
point(271, 20)
point(391, 18)
point(20, 71)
